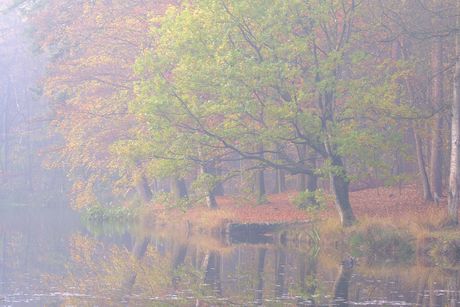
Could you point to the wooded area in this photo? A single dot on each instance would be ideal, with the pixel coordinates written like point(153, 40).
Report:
point(208, 97)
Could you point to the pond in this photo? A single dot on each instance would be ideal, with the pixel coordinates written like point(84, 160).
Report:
point(51, 258)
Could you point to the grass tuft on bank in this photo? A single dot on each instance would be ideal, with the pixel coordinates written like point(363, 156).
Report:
point(381, 237)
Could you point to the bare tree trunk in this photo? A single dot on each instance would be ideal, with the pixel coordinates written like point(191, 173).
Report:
point(421, 165)
point(436, 147)
point(452, 194)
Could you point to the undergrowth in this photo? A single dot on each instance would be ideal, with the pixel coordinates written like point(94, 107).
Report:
point(101, 213)
point(381, 237)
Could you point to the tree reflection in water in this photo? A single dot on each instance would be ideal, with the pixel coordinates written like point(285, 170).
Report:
point(175, 271)
point(44, 260)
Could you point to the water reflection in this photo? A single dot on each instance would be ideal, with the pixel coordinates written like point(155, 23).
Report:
point(33, 243)
point(49, 258)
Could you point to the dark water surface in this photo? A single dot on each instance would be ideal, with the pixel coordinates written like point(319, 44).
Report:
point(50, 258)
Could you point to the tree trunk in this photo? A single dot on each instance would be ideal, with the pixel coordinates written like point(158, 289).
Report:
point(452, 194)
point(144, 191)
point(178, 187)
point(421, 165)
point(339, 187)
point(301, 178)
point(396, 55)
point(280, 181)
point(260, 186)
point(436, 143)
point(211, 202)
point(260, 180)
point(307, 182)
point(311, 182)
point(219, 189)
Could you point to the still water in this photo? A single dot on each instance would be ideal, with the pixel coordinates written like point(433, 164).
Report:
point(50, 258)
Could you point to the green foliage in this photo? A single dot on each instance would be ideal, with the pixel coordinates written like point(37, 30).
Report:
point(303, 201)
point(235, 79)
point(102, 213)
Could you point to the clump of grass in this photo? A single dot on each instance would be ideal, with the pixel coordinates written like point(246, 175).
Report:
point(380, 236)
point(430, 221)
point(102, 213)
point(331, 231)
point(215, 221)
point(423, 226)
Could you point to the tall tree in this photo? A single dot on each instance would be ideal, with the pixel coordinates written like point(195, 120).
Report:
point(452, 194)
point(227, 75)
point(93, 45)
point(437, 93)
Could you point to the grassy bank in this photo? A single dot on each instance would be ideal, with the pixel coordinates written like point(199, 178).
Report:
point(388, 222)
point(424, 233)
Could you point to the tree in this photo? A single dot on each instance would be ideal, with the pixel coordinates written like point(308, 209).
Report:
point(424, 28)
point(257, 81)
point(452, 193)
point(20, 138)
point(92, 46)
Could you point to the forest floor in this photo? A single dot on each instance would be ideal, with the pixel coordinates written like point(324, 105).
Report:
point(388, 203)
